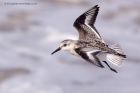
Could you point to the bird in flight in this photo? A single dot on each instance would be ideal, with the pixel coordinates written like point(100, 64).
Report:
point(90, 46)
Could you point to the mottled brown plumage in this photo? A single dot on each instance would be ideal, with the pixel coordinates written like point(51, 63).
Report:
point(90, 45)
point(85, 25)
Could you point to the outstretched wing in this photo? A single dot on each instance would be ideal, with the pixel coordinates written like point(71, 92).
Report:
point(85, 25)
point(90, 57)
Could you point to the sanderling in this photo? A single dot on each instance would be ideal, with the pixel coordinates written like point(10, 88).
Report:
point(90, 46)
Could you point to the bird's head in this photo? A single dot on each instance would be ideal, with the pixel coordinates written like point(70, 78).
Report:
point(66, 45)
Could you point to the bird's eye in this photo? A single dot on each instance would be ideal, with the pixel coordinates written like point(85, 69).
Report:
point(65, 45)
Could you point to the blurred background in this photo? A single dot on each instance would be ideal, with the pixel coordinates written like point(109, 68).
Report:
point(31, 29)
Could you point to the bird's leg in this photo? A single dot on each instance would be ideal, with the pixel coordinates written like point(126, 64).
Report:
point(110, 67)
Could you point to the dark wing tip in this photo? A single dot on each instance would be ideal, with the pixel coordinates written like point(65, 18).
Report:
point(122, 55)
point(91, 12)
point(96, 6)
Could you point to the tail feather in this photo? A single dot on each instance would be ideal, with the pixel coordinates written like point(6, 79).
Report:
point(118, 49)
point(116, 59)
point(122, 55)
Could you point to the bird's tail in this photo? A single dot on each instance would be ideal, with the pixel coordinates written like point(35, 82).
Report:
point(116, 58)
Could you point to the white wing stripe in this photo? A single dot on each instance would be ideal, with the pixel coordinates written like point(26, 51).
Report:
point(93, 30)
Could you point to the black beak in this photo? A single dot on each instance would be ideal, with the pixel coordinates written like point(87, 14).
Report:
point(58, 49)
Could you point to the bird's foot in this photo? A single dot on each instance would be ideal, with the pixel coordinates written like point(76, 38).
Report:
point(113, 70)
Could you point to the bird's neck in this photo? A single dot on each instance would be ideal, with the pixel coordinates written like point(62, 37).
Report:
point(72, 49)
